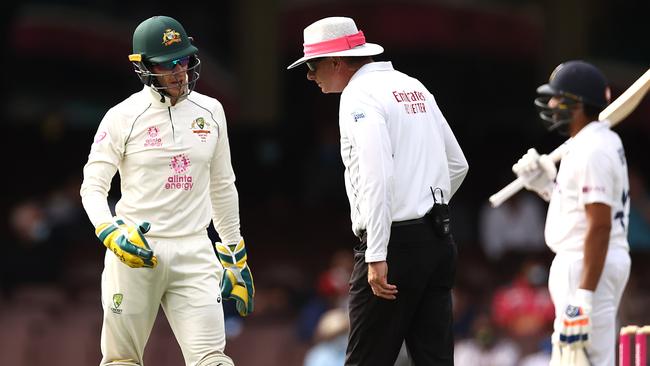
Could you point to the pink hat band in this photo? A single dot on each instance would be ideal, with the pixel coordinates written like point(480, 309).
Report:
point(334, 45)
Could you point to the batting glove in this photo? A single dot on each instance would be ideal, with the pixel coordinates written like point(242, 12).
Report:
point(237, 283)
point(537, 172)
point(576, 324)
point(567, 356)
point(128, 243)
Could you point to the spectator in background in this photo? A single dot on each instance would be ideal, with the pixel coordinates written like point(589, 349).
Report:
point(330, 339)
point(486, 347)
point(523, 309)
point(331, 292)
point(516, 226)
point(540, 358)
point(32, 243)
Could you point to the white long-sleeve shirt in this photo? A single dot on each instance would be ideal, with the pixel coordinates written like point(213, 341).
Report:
point(174, 166)
point(396, 147)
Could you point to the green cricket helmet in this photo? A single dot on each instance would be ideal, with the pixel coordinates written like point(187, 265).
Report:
point(162, 41)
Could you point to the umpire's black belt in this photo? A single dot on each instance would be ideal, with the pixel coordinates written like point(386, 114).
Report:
point(421, 220)
point(363, 236)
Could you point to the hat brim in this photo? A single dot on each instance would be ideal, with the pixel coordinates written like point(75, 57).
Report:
point(367, 49)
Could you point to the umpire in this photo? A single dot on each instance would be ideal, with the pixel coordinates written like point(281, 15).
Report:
point(402, 165)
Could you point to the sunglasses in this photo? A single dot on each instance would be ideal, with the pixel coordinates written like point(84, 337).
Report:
point(311, 64)
point(169, 65)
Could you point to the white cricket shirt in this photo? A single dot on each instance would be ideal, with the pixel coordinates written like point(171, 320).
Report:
point(396, 147)
point(593, 170)
point(174, 165)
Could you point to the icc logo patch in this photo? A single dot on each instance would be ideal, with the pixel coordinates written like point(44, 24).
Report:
point(117, 301)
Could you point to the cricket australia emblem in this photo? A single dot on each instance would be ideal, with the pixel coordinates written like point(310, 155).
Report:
point(117, 301)
point(170, 36)
point(201, 128)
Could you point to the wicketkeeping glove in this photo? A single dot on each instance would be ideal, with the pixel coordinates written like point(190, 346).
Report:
point(576, 325)
point(237, 283)
point(537, 172)
point(128, 243)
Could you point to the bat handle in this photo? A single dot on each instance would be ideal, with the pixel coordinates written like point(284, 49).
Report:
point(508, 191)
point(516, 185)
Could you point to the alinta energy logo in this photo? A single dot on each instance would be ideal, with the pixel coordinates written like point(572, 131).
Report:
point(201, 128)
point(180, 164)
point(170, 36)
point(153, 137)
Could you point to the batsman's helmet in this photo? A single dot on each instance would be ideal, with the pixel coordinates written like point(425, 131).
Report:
point(575, 82)
point(162, 40)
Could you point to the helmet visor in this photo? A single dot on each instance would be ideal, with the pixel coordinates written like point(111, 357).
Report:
point(174, 81)
point(169, 65)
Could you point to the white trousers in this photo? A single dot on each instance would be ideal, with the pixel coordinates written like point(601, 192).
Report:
point(564, 279)
point(185, 283)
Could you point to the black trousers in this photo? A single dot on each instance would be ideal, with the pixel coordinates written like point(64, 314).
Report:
point(422, 266)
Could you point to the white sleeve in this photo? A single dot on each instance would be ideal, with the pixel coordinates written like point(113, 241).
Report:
point(456, 161)
point(367, 125)
point(223, 193)
point(103, 161)
point(596, 179)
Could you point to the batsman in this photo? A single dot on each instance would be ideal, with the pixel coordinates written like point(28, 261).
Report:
point(170, 147)
point(587, 220)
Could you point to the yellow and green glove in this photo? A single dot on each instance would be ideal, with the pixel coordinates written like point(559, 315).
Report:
point(128, 243)
point(237, 283)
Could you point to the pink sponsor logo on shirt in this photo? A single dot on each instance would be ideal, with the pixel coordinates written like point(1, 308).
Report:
point(153, 138)
point(587, 189)
point(100, 136)
point(180, 164)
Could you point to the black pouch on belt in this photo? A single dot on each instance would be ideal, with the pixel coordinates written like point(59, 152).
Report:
point(439, 215)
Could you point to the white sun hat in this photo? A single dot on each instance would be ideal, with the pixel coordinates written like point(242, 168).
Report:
point(335, 36)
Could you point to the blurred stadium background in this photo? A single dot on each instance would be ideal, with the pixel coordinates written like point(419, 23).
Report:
point(65, 63)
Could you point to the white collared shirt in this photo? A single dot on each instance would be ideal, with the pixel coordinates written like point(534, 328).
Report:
point(396, 147)
point(593, 170)
point(174, 165)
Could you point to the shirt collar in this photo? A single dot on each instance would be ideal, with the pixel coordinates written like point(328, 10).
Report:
point(156, 99)
point(373, 66)
point(591, 126)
